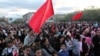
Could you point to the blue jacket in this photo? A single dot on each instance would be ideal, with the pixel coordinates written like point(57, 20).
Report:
point(63, 53)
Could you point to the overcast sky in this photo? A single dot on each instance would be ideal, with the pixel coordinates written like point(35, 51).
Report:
point(17, 8)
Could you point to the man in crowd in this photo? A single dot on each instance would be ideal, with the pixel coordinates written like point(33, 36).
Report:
point(30, 38)
point(96, 42)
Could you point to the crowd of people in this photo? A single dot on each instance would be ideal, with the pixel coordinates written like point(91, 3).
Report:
point(54, 39)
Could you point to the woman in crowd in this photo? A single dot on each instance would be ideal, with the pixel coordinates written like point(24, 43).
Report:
point(69, 44)
point(61, 39)
point(76, 45)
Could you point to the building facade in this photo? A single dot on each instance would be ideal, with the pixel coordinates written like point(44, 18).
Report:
point(27, 17)
point(58, 17)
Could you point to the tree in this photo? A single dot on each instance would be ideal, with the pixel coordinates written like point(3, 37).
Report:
point(18, 21)
point(88, 15)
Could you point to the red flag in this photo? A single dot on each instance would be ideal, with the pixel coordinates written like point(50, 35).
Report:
point(77, 16)
point(40, 17)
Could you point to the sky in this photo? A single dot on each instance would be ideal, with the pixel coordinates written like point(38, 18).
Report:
point(17, 8)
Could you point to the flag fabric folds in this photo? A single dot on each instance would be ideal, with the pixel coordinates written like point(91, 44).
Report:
point(40, 17)
point(77, 16)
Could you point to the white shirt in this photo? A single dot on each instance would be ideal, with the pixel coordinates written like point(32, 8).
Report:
point(80, 46)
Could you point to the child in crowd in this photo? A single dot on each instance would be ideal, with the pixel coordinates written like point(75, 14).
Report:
point(63, 50)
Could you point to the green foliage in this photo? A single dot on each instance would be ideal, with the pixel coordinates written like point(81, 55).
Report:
point(18, 21)
point(88, 15)
point(68, 17)
point(91, 15)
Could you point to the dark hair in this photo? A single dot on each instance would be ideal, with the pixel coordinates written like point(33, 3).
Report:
point(1, 39)
point(67, 37)
point(29, 30)
point(83, 40)
point(78, 37)
point(32, 44)
point(43, 46)
point(54, 52)
point(26, 47)
point(10, 41)
point(37, 40)
point(14, 39)
point(88, 35)
point(63, 44)
point(43, 40)
point(37, 48)
point(9, 33)
point(61, 36)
